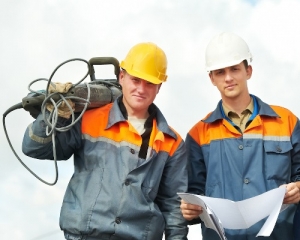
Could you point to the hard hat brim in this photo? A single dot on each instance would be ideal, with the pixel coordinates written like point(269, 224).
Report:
point(146, 77)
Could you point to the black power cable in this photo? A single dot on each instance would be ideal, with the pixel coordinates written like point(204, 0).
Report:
point(52, 120)
point(43, 97)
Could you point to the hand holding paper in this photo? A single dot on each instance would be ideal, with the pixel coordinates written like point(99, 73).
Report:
point(243, 214)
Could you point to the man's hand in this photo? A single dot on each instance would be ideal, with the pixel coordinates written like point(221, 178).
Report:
point(59, 87)
point(65, 109)
point(190, 211)
point(292, 194)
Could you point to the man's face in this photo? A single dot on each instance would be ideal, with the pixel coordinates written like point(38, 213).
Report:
point(138, 94)
point(231, 81)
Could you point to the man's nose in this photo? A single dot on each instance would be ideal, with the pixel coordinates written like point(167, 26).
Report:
point(142, 86)
point(228, 76)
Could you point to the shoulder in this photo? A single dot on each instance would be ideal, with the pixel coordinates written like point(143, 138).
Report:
point(284, 119)
point(282, 110)
point(104, 110)
point(273, 110)
point(285, 114)
point(178, 136)
point(96, 117)
point(202, 122)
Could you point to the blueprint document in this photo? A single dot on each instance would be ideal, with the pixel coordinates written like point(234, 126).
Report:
point(223, 213)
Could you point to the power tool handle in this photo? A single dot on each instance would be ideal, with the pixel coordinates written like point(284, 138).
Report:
point(104, 61)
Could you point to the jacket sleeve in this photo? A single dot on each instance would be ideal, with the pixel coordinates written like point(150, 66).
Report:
point(196, 170)
point(295, 139)
point(174, 180)
point(196, 167)
point(37, 144)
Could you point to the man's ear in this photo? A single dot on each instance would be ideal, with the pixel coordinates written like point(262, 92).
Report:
point(249, 71)
point(121, 77)
point(158, 88)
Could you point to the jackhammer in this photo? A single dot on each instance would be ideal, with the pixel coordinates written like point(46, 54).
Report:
point(94, 94)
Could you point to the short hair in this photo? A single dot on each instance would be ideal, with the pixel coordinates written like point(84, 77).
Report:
point(246, 63)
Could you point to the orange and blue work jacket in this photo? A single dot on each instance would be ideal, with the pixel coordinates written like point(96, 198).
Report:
point(226, 163)
point(116, 192)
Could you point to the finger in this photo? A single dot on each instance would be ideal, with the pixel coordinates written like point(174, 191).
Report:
point(292, 196)
point(292, 189)
point(190, 214)
point(191, 206)
point(289, 187)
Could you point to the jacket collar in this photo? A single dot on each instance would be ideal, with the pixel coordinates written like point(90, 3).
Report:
point(263, 110)
point(118, 113)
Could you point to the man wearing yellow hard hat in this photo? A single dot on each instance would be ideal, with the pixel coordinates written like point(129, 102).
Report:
point(129, 164)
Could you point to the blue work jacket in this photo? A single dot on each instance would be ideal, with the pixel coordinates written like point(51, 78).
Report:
point(297, 223)
point(225, 163)
point(113, 193)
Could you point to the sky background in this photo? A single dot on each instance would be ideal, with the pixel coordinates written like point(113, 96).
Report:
point(36, 36)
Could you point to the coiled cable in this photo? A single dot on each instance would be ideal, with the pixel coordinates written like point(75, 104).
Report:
point(51, 119)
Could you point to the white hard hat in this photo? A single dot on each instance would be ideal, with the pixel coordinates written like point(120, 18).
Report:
point(225, 50)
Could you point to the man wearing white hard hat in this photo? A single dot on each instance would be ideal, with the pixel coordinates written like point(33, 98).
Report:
point(243, 148)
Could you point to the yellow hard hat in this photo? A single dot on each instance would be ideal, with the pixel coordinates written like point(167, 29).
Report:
point(146, 61)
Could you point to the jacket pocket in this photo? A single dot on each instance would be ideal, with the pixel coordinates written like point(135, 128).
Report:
point(79, 200)
point(278, 160)
point(149, 193)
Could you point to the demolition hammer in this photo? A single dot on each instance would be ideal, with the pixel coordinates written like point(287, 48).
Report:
point(96, 93)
